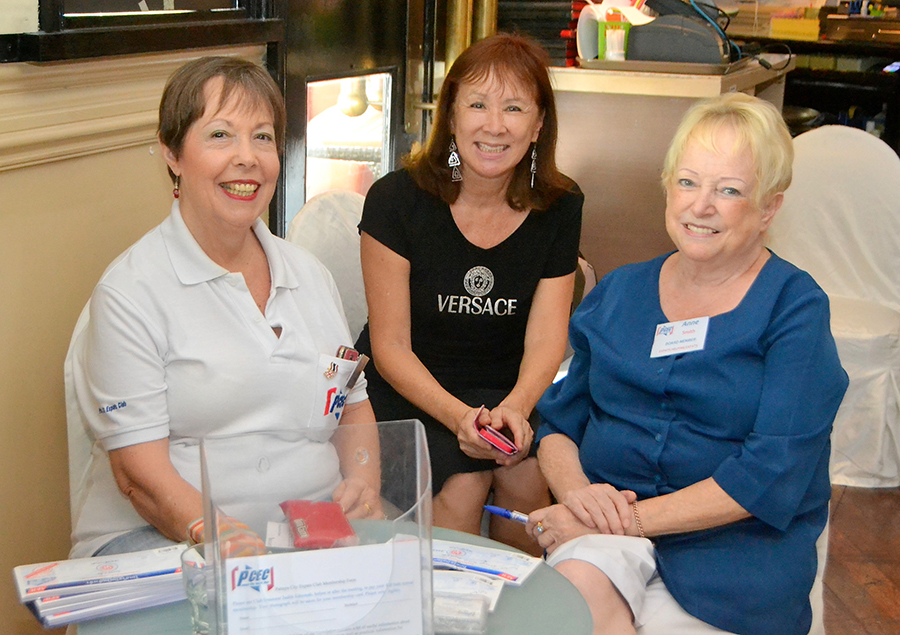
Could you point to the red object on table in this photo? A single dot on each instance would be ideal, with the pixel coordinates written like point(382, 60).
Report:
point(318, 524)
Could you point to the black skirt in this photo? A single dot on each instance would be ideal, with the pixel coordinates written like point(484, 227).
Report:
point(443, 447)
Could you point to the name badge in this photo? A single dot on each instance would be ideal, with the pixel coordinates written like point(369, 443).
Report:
point(673, 338)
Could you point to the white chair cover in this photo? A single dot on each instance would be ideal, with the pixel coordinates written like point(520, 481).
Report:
point(816, 595)
point(327, 226)
point(841, 222)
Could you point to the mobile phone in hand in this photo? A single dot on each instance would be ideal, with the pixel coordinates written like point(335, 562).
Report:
point(498, 440)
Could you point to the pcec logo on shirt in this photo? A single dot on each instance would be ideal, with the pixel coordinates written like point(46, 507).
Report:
point(334, 403)
point(256, 579)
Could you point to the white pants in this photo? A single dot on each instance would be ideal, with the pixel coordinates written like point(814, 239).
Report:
point(630, 565)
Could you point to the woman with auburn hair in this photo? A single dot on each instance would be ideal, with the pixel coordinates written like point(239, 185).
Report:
point(468, 256)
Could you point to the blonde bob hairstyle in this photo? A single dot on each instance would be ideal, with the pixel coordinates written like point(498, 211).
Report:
point(758, 126)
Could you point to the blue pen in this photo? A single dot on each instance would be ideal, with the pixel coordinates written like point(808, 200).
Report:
point(519, 517)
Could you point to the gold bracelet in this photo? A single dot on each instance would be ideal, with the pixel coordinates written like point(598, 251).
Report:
point(637, 518)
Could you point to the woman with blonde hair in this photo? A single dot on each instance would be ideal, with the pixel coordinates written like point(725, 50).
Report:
point(688, 446)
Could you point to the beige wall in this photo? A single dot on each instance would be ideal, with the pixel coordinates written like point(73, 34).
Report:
point(18, 16)
point(63, 217)
point(60, 228)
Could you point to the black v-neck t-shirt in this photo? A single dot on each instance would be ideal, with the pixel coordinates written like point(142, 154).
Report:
point(469, 306)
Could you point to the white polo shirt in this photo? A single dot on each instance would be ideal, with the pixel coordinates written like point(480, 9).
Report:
point(177, 348)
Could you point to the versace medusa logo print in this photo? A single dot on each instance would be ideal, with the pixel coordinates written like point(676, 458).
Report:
point(478, 281)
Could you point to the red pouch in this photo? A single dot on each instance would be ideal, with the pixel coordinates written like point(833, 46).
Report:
point(318, 524)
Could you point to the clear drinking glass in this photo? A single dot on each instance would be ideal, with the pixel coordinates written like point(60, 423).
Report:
point(198, 585)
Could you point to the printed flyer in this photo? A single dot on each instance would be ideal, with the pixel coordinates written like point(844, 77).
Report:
point(353, 590)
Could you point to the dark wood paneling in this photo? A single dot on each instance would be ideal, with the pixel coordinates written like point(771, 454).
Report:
point(86, 43)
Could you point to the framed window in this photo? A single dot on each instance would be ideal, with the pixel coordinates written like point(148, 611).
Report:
point(78, 29)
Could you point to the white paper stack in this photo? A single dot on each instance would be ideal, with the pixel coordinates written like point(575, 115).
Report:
point(67, 591)
point(510, 566)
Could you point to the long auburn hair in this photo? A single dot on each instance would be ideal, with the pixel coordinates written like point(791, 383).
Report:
point(507, 58)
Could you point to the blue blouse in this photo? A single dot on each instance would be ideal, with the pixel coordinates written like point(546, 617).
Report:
point(753, 410)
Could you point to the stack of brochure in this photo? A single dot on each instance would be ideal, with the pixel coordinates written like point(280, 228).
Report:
point(512, 567)
point(468, 580)
point(70, 591)
point(67, 591)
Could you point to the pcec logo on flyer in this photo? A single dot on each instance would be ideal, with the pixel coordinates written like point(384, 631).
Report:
point(257, 579)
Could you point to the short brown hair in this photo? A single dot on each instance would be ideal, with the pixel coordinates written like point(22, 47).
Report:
point(184, 100)
point(508, 58)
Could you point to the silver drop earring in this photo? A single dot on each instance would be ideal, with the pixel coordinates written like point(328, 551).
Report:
point(453, 162)
point(533, 164)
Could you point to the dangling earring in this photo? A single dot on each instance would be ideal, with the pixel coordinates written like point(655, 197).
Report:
point(533, 163)
point(453, 162)
point(176, 193)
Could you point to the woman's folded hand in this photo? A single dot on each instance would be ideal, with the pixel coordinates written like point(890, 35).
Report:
point(508, 417)
point(467, 434)
point(554, 525)
point(602, 506)
point(498, 418)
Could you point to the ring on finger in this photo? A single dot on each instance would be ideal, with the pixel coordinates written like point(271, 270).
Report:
point(368, 509)
point(539, 528)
